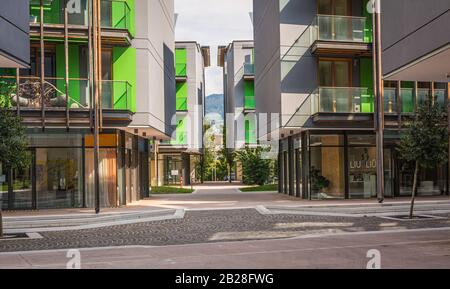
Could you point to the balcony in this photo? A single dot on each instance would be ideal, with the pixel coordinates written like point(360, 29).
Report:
point(249, 71)
point(115, 20)
point(335, 107)
point(116, 95)
point(181, 71)
point(346, 100)
point(332, 35)
point(390, 100)
point(60, 108)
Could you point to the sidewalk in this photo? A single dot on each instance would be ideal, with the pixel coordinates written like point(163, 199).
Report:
point(222, 196)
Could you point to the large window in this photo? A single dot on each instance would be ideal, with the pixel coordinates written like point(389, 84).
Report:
point(59, 177)
point(327, 174)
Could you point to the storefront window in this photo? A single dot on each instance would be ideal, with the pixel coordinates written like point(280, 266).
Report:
point(59, 177)
point(107, 174)
point(327, 175)
point(172, 174)
point(430, 182)
point(362, 169)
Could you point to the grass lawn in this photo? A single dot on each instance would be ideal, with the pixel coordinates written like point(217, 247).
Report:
point(265, 188)
point(170, 190)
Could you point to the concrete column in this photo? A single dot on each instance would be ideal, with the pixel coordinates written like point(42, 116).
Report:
point(285, 173)
point(305, 166)
point(280, 168)
point(291, 165)
point(186, 163)
point(298, 174)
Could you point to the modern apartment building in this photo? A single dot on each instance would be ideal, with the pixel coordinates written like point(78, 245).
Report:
point(179, 158)
point(55, 99)
point(237, 61)
point(314, 80)
point(14, 28)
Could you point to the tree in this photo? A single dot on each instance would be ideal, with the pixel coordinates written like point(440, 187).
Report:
point(226, 156)
point(425, 142)
point(255, 169)
point(13, 139)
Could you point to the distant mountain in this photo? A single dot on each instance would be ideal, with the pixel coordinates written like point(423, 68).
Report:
point(214, 104)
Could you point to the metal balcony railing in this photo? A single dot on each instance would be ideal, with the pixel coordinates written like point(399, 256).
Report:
point(116, 95)
point(27, 92)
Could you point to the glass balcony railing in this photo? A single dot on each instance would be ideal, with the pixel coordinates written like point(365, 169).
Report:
point(115, 14)
point(116, 95)
point(342, 100)
point(407, 97)
point(423, 94)
point(249, 69)
point(440, 97)
point(390, 100)
point(340, 28)
point(181, 69)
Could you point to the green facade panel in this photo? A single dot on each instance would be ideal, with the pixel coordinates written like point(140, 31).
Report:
point(181, 62)
point(74, 72)
point(180, 133)
point(368, 32)
point(249, 94)
point(366, 81)
point(124, 76)
point(181, 96)
point(250, 130)
point(407, 96)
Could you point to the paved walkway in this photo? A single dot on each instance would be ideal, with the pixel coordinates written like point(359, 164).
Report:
point(207, 197)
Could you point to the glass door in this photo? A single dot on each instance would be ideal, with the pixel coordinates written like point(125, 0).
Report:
point(335, 82)
point(334, 25)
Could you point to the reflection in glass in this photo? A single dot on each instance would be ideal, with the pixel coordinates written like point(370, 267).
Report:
point(362, 172)
point(58, 177)
point(108, 177)
point(327, 173)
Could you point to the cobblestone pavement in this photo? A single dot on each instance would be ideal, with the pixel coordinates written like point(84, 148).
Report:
point(213, 226)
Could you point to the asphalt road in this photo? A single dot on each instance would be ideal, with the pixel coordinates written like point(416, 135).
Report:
point(428, 248)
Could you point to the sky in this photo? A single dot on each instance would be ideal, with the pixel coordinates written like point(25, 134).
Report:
point(213, 23)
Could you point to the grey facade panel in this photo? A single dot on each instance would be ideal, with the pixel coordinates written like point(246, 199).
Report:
point(412, 29)
point(267, 56)
point(14, 29)
point(155, 72)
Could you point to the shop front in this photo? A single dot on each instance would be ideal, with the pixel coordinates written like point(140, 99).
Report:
point(61, 172)
point(343, 165)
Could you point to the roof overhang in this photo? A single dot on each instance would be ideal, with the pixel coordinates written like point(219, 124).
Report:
point(221, 50)
point(434, 66)
point(206, 53)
